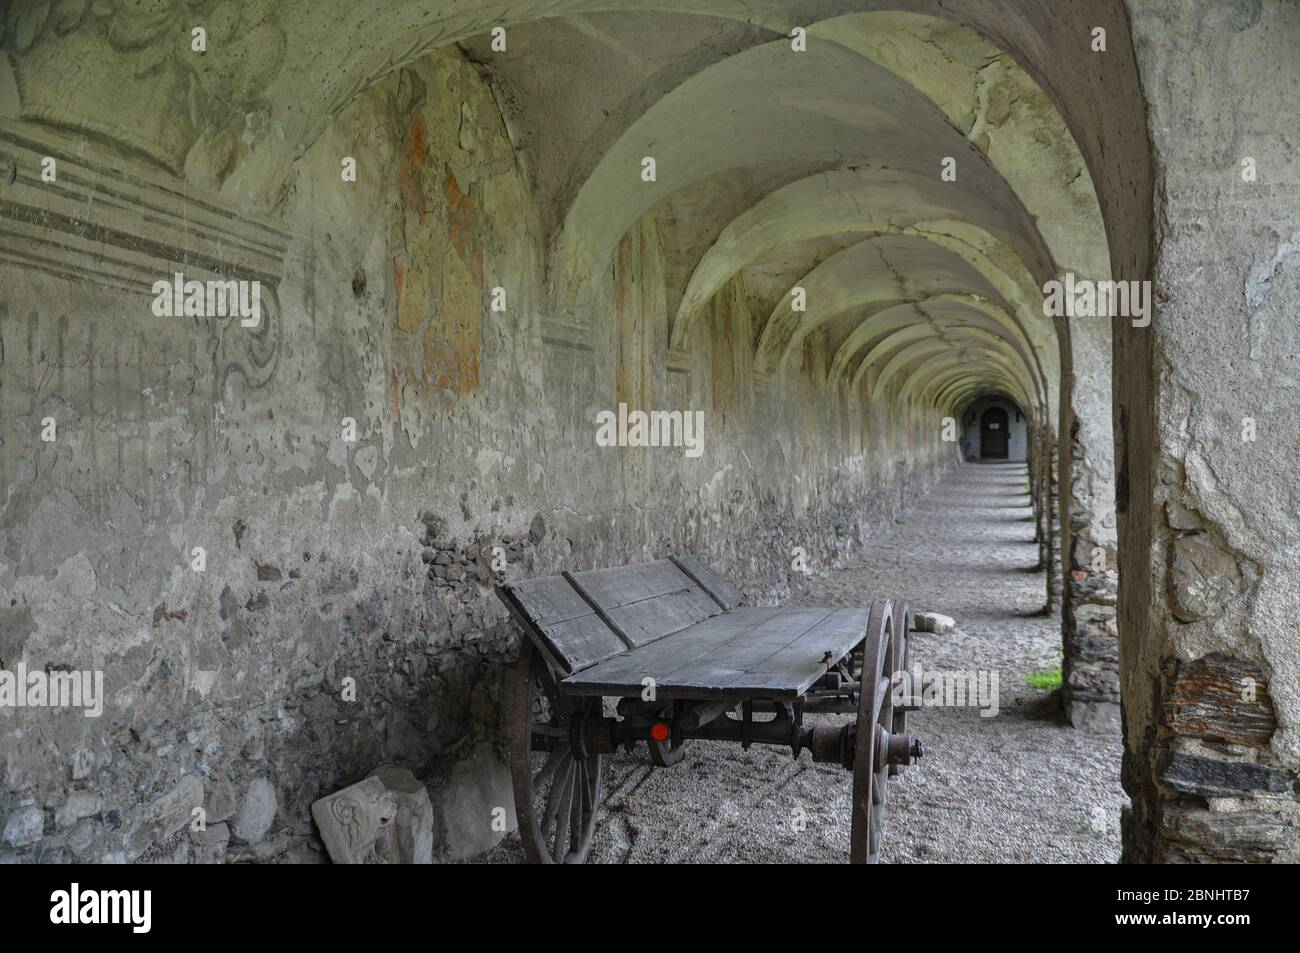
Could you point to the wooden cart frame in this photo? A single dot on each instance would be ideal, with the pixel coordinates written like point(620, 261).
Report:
point(673, 643)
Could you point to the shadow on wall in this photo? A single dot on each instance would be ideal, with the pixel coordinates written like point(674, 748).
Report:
point(995, 429)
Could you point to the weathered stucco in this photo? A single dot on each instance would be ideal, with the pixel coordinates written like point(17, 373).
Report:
point(1208, 556)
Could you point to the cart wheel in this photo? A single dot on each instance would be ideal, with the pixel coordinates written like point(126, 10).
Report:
point(665, 754)
point(557, 794)
point(875, 718)
point(902, 617)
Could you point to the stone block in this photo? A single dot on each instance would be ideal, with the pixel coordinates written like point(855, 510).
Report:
point(413, 830)
point(1203, 577)
point(163, 816)
point(933, 622)
point(1194, 835)
point(352, 820)
point(476, 805)
point(78, 805)
point(24, 826)
point(1220, 698)
point(1096, 717)
point(1210, 777)
point(210, 845)
point(256, 813)
point(386, 818)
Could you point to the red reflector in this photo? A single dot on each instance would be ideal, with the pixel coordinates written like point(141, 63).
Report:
point(659, 731)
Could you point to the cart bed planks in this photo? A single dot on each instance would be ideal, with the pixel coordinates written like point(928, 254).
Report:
point(672, 641)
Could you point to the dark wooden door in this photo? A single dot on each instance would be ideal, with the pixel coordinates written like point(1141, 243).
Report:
point(993, 434)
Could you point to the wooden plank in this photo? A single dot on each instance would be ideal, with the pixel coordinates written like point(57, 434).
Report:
point(620, 585)
point(719, 589)
point(561, 622)
point(645, 603)
point(671, 613)
point(652, 619)
point(722, 670)
point(745, 653)
point(801, 662)
point(623, 674)
point(548, 600)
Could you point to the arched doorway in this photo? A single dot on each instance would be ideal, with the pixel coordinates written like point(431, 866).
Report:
point(993, 434)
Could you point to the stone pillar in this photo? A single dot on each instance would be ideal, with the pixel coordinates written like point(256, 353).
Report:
point(1089, 624)
point(1089, 579)
point(1053, 530)
point(1035, 467)
point(1206, 434)
point(1043, 497)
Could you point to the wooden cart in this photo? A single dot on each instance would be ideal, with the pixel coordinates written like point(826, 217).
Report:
point(671, 641)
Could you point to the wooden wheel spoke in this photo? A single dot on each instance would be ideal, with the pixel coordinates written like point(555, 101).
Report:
point(561, 845)
point(559, 754)
point(580, 796)
point(554, 797)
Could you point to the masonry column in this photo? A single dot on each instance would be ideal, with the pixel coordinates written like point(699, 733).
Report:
point(1090, 644)
point(1207, 432)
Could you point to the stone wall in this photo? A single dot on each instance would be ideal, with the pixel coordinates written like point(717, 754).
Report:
point(1208, 583)
point(344, 615)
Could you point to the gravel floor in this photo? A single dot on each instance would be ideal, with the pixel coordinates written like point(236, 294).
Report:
point(1017, 787)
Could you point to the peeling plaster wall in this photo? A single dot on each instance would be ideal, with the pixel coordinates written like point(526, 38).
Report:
point(1212, 682)
point(370, 560)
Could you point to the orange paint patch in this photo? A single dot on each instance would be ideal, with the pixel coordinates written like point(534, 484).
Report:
point(462, 226)
point(411, 174)
point(438, 280)
point(454, 340)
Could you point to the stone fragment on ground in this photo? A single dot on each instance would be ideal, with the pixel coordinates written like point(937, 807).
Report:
point(934, 622)
point(386, 818)
point(476, 804)
point(412, 840)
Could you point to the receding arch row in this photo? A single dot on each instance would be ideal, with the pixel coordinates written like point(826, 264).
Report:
point(938, 380)
point(988, 367)
point(712, 122)
point(891, 354)
point(868, 203)
point(891, 269)
point(975, 311)
point(898, 359)
point(991, 259)
point(1035, 159)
